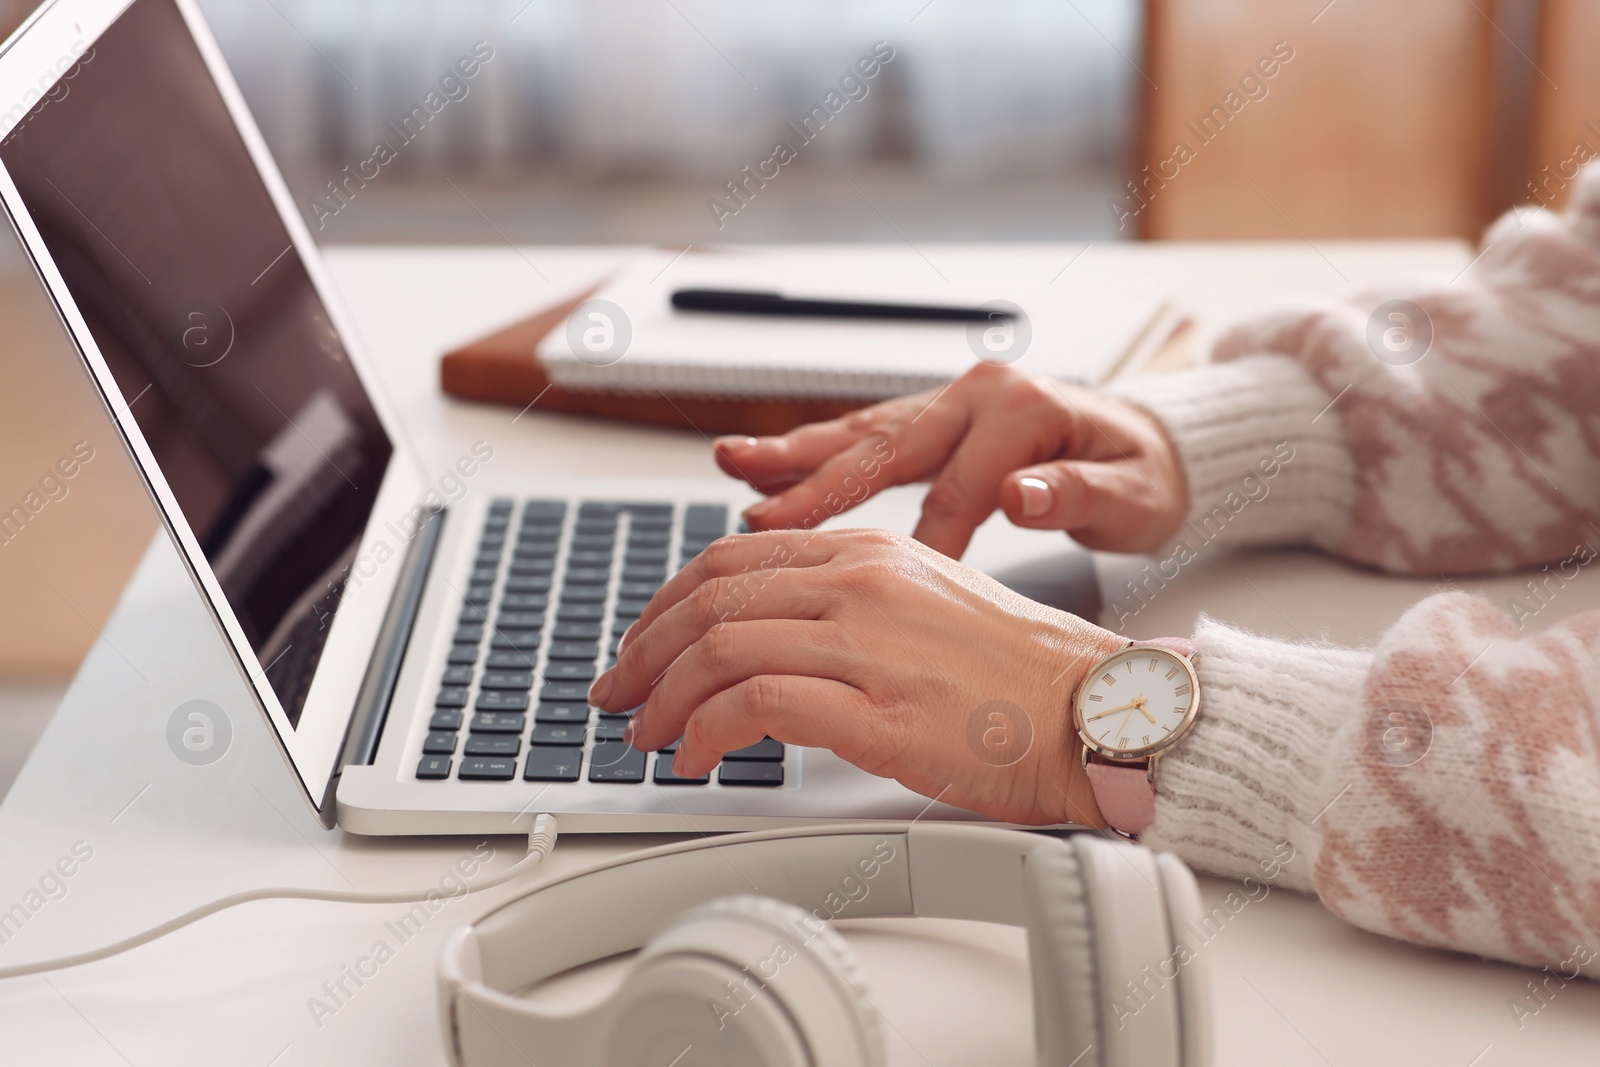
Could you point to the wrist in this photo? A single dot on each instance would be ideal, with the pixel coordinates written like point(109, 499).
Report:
point(1070, 798)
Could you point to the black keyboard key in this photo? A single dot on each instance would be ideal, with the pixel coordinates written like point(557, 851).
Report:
point(572, 671)
point(493, 745)
point(487, 769)
point(583, 594)
point(558, 733)
point(479, 594)
point(497, 522)
point(522, 567)
point(618, 716)
point(590, 510)
point(520, 620)
point(451, 696)
point(500, 506)
point(664, 775)
point(562, 712)
point(540, 532)
point(595, 528)
point(544, 511)
point(483, 575)
point(525, 602)
point(651, 576)
point(515, 640)
point(473, 615)
point(588, 576)
point(764, 751)
point(564, 691)
point(648, 539)
point(498, 722)
point(550, 764)
point(445, 719)
point(644, 557)
point(576, 631)
point(469, 635)
point(576, 612)
point(507, 659)
point(464, 654)
point(613, 761)
point(440, 743)
point(705, 519)
point(528, 583)
point(610, 729)
point(492, 540)
point(534, 550)
point(433, 768)
point(486, 560)
point(637, 590)
point(631, 609)
point(585, 651)
point(606, 542)
point(520, 681)
point(621, 624)
point(751, 774)
point(589, 558)
point(457, 676)
point(501, 700)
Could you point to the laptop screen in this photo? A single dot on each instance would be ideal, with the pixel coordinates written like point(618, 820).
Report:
point(157, 219)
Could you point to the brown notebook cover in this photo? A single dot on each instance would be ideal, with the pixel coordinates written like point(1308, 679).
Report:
point(502, 369)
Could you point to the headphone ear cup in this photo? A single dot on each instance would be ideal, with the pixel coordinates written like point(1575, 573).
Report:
point(1101, 946)
point(1061, 951)
point(746, 980)
point(1182, 896)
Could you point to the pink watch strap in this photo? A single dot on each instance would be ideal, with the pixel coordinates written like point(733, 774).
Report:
point(1123, 790)
point(1124, 794)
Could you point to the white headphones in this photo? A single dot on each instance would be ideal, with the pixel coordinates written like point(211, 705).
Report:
point(734, 976)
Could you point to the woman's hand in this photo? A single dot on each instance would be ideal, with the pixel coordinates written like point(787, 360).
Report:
point(902, 661)
point(1053, 456)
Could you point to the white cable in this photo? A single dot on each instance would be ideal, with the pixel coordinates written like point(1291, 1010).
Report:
point(540, 842)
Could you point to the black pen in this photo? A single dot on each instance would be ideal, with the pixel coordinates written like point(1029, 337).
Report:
point(746, 302)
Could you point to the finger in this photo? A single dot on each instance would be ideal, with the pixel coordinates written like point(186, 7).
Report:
point(729, 599)
point(787, 458)
point(1094, 502)
point(967, 491)
point(759, 553)
point(813, 712)
point(725, 656)
point(902, 452)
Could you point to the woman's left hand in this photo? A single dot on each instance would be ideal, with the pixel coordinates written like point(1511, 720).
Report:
point(903, 661)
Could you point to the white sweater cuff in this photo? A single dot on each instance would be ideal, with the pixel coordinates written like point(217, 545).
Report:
point(1240, 796)
point(1262, 448)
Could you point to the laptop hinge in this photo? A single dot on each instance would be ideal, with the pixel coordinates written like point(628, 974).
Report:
point(388, 655)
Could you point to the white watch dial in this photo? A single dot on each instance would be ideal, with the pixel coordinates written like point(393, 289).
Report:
point(1137, 701)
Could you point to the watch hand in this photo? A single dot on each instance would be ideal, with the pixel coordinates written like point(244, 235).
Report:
point(1145, 711)
point(1111, 711)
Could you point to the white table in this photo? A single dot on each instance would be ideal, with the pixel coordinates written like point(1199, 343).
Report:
point(1295, 986)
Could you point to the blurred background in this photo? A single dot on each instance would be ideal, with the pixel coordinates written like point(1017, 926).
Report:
point(620, 121)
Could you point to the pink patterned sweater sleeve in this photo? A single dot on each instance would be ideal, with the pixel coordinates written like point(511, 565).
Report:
point(1444, 787)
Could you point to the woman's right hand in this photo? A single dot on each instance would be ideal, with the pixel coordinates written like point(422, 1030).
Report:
point(1053, 456)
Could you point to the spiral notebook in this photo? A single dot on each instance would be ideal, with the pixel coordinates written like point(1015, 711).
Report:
point(627, 337)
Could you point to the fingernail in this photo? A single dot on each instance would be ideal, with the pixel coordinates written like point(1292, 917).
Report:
point(629, 732)
point(1037, 497)
point(627, 635)
point(760, 508)
point(728, 444)
point(600, 691)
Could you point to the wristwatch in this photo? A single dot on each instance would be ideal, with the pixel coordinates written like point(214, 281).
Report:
point(1133, 706)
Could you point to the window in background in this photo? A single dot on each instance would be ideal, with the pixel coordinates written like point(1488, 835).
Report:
point(624, 120)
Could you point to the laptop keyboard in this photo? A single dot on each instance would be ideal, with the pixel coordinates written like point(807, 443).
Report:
point(552, 590)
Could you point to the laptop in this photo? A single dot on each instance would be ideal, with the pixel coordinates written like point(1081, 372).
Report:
point(421, 652)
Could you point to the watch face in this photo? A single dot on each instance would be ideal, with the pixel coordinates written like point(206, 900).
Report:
point(1137, 702)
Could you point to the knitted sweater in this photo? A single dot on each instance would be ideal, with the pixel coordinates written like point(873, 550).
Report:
point(1443, 787)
